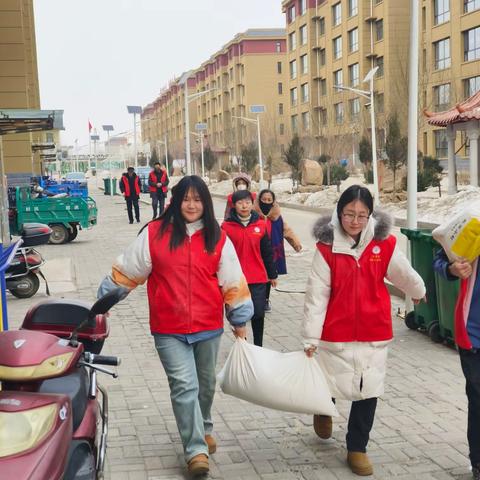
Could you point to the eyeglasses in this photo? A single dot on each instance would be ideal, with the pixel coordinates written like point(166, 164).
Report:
point(350, 217)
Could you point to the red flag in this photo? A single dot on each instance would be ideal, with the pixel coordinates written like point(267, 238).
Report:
point(90, 126)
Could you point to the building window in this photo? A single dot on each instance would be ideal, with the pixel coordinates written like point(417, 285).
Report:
point(354, 106)
point(322, 57)
point(292, 14)
point(304, 64)
point(442, 54)
point(352, 8)
point(379, 64)
point(293, 97)
point(321, 26)
point(302, 7)
point(353, 40)
point(470, 5)
point(338, 78)
point(339, 113)
point(471, 44)
point(379, 30)
point(471, 86)
point(49, 137)
point(322, 116)
point(424, 19)
point(278, 47)
point(337, 48)
point(323, 87)
point(280, 108)
point(294, 121)
point(280, 88)
point(279, 67)
point(379, 103)
point(293, 69)
point(337, 14)
point(306, 121)
point(441, 97)
point(441, 11)
point(282, 129)
point(292, 41)
point(441, 143)
point(354, 74)
point(303, 35)
point(305, 92)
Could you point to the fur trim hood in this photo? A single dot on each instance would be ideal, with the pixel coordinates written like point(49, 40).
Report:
point(241, 176)
point(273, 214)
point(324, 227)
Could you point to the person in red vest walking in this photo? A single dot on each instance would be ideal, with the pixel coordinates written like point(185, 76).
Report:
point(158, 186)
point(347, 312)
point(249, 234)
point(130, 188)
point(192, 274)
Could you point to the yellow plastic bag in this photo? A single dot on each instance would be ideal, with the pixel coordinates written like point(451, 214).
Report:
point(460, 235)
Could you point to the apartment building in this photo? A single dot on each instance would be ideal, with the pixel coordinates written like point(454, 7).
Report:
point(248, 70)
point(336, 43)
point(450, 66)
point(18, 80)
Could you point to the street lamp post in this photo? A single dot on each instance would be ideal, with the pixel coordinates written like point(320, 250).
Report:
point(256, 109)
point(166, 152)
point(189, 99)
point(369, 95)
point(108, 129)
point(135, 110)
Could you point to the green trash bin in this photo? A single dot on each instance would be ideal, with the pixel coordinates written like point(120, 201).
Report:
point(447, 292)
point(106, 184)
point(425, 315)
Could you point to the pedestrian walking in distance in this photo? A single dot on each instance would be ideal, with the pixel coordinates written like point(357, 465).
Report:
point(158, 186)
point(278, 230)
point(192, 272)
point(130, 188)
point(347, 313)
point(249, 234)
point(467, 338)
point(241, 181)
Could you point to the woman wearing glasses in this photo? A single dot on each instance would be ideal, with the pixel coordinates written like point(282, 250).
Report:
point(348, 312)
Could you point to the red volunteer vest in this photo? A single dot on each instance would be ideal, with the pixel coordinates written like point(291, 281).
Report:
point(462, 338)
point(126, 186)
point(246, 241)
point(183, 292)
point(359, 309)
point(153, 178)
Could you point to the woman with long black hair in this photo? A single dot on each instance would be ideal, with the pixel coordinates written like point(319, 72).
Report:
point(192, 272)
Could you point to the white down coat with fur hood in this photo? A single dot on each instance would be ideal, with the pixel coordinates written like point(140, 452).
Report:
point(354, 370)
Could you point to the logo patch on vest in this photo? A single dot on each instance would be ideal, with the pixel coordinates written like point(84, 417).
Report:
point(376, 254)
point(256, 230)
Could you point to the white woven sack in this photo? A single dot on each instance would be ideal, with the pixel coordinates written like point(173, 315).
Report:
point(290, 382)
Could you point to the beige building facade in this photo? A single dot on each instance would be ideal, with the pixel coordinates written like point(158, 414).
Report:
point(450, 68)
point(336, 43)
point(249, 70)
point(18, 80)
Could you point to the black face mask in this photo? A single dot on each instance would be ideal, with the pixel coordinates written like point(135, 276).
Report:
point(265, 207)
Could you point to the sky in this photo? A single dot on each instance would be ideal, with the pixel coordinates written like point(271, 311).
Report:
point(97, 56)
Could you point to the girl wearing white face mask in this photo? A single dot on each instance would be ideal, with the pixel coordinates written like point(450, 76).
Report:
point(240, 182)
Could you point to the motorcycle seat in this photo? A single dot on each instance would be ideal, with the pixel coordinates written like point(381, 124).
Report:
point(75, 385)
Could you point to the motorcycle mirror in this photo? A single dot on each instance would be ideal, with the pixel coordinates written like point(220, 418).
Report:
point(104, 304)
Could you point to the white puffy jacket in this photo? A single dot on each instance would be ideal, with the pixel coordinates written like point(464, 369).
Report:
point(355, 370)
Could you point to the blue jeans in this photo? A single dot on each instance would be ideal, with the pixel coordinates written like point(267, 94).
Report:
point(190, 369)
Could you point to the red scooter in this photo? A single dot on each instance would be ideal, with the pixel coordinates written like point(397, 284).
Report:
point(52, 424)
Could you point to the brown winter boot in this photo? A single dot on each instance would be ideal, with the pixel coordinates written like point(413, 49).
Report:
point(322, 424)
point(212, 444)
point(198, 465)
point(359, 463)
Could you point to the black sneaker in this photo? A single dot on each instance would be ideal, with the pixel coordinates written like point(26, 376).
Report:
point(130, 222)
point(476, 472)
point(268, 306)
point(138, 220)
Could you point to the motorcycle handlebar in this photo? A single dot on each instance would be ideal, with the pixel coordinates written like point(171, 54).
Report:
point(106, 360)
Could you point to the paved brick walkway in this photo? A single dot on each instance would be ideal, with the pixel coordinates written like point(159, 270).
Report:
point(419, 432)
